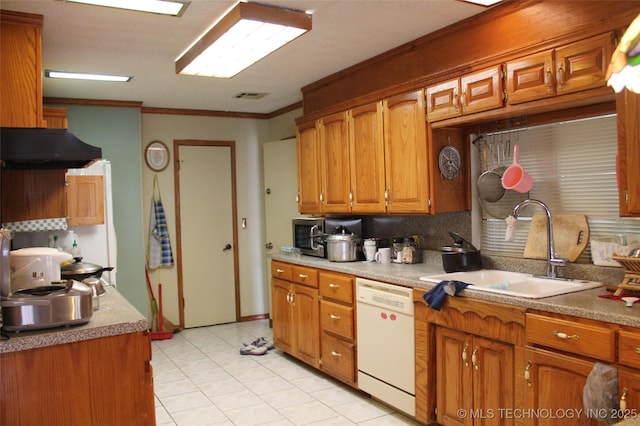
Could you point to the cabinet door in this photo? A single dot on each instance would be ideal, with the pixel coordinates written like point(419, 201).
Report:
point(406, 165)
point(281, 313)
point(309, 169)
point(628, 109)
point(493, 380)
point(339, 358)
point(85, 200)
point(334, 145)
point(531, 78)
point(481, 91)
point(454, 375)
point(449, 194)
point(366, 144)
point(443, 101)
point(555, 383)
point(583, 65)
point(21, 70)
point(629, 392)
point(306, 324)
point(33, 194)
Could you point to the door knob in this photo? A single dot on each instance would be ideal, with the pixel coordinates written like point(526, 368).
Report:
point(227, 247)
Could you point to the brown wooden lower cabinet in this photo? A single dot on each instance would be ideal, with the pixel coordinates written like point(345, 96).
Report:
point(554, 388)
point(105, 381)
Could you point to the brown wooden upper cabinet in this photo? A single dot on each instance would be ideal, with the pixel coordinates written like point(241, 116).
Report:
point(567, 69)
point(334, 160)
point(309, 169)
point(21, 70)
point(471, 93)
point(628, 109)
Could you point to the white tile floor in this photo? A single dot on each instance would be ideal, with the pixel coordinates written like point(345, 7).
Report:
point(200, 379)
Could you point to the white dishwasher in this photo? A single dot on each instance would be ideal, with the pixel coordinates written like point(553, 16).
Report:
point(385, 332)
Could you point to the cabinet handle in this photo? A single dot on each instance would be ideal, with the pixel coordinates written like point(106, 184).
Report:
point(623, 400)
point(565, 336)
point(336, 354)
point(456, 100)
point(638, 350)
point(464, 355)
point(474, 358)
point(334, 317)
point(303, 276)
point(332, 285)
point(463, 99)
point(560, 76)
point(547, 79)
point(527, 373)
point(321, 198)
point(280, 271)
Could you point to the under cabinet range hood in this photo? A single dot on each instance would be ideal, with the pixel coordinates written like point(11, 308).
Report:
point(41, 148)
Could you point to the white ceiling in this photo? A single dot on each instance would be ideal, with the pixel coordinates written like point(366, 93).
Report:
point(103, 40)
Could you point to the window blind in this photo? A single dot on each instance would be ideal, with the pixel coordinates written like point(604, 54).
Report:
point(573, 167)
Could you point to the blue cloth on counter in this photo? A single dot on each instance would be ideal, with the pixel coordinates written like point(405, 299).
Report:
point(437, 295)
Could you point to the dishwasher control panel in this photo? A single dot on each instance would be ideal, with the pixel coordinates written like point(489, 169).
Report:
point(397, 298)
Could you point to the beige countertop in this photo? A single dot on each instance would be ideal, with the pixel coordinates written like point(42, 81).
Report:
point(115, 316)
point(585, 304)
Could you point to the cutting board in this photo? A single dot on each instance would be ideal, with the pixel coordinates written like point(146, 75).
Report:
point(570, 236)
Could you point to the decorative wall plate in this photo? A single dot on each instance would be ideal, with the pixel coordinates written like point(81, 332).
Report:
point(156, 155)
point(449, 162)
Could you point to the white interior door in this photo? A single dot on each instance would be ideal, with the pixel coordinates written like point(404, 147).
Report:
point(206, 235)
point(281, 186)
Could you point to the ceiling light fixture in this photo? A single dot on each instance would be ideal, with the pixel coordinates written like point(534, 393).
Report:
point(245, 34)
point(87, 76)
point(163, 7)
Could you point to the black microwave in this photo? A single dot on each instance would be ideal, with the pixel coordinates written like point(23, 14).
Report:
point(308, 235)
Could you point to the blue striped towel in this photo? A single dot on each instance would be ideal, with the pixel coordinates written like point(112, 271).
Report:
point(160, 254)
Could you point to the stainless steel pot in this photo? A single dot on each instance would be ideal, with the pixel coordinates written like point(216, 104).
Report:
point(341, 248)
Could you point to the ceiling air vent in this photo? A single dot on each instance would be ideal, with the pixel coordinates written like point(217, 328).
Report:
point(249, 95)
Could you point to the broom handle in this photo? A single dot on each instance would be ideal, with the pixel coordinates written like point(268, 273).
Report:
point(160, 317)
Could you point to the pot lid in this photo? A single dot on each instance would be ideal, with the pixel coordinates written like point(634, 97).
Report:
point(340, 237)
point(77, 266)
point(456, 249)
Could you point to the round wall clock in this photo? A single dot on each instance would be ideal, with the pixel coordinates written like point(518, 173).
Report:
point(449, 162)
point(156, 155)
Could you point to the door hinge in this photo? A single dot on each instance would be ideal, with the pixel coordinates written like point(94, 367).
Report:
point(320, 362)
point(626, 197)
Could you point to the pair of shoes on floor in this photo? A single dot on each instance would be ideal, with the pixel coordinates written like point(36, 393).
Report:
point(260, 346)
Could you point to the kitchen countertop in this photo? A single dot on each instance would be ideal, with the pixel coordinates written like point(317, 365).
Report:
point(115, 316)
point(585, 304)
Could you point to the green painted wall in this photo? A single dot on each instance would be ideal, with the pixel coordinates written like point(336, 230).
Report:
point(117, 131)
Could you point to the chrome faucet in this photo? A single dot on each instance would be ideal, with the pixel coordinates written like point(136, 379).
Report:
point(553, 261)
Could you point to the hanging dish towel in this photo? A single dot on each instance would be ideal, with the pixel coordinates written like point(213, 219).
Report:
point(160, 254)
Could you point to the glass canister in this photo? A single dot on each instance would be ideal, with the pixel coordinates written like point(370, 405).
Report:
point(396, 249)
point(410, 252)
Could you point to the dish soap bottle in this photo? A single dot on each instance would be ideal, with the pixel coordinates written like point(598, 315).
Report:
point(75, 250)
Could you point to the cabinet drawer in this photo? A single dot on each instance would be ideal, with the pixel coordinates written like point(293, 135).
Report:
point(339, 358)
point(594, 340)
point(281, 270)
point(304, 275)
point(629, 348)
point(336, 286)
point(337, 319)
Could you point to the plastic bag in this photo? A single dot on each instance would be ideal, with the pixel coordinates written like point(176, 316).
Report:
point(600, 393)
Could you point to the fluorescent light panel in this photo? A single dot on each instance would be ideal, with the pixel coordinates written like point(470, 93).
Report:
point(164, 7)
point(245, 34)
point(87, 76)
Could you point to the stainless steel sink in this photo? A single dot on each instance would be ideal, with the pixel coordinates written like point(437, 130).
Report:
point(514, 283)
